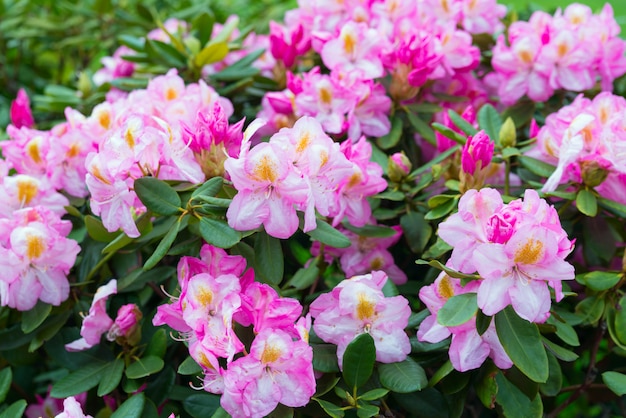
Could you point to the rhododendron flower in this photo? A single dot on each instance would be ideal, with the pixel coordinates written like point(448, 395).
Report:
point(358, 305)
point(97, 322)
point(518, 249)
point(35, 257)
point(468, 349)
point(50, 407)
point(72, 409)
point(23, 190)
point(126, 324)
point(277, 370)
point(20, 112)
point(287, 44)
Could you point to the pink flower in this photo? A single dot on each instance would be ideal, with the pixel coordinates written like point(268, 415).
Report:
point(277, 370)
point(23, 190)
point(268, 185)
point(20, 113)
point(97, 322)
point(287, 44)
point(468, 349)
point(35, 258)
point(72, 409)
point(355, 50)
point(518, 250)
point(477, 153)
point(126, 324)
point(358, 305)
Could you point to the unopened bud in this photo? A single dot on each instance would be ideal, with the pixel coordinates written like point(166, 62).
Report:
point(399, 166)
point(126, 325)
point(508, 136)
point(21, 115)
point(477, 153)
point(593, 172)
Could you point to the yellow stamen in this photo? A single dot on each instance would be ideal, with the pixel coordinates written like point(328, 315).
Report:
point(33, 151)
point(365, 309)
point(270, 354)
point(529, 253)
point(265, 170)
point(26, 190)
point(35, 246)
point(444, 288)
point(326, 97)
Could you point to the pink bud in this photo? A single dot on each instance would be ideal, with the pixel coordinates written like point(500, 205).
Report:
point(126, 323)
point(477, 149)
point(533, 131)
point(21, 114)
point(399, 166)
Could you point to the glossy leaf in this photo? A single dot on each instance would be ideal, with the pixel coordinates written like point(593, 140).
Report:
point(358, 360)
point(211, 53)
point(16, 409)
point(201, 405)
point(80, 380)
point(461, 123)
point(158, 196)
point(325, 358)
point(393, 137)
point(131, 408)
point(417, 231)
point(144, 366)
point(164, 245)
point(587, 203)
point(402, 377)
point(514, 403)
point(111, 379)
point(35, 316)
point(97, 231)
point(268, 258)
point(615, 381)
point(6, 377)
point(218, 233)
point(330, 408)
point(328, 235)
point(522, 342)
point(536, 166)
point(458, 310)
point(601, 280)
point(558, 351)
point(189, 367)
point(490, 120)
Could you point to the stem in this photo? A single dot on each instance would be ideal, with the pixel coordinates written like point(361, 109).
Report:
point(589, 377)
point(507, 174)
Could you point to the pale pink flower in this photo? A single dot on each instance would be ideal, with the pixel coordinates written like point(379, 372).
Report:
point(358, 305)
point(23, 190)
point(482, 16)
point(72, 409)
point(97, 322)
point(21, 114)
point(35, 257)
point(277, 370)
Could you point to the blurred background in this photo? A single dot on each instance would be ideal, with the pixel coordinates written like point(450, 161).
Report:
point(46, 45)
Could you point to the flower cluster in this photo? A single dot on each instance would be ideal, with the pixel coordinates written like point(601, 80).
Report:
point(301, 168)
point(570, 50)
point(357, 305)
point(518, 249)
point(216, 294)
point(586, 142)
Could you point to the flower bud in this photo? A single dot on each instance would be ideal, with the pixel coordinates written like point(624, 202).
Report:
point(477, 153)
point(593, 172)
point(21, 115)
point(399, 166)
point(508, 137)
point(126, 325)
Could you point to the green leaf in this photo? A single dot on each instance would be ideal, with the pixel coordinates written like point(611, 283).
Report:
point(145, 366)
point(601, 280)
point(374, 394)
point(521, 112)
point(97, 231)
point(486, 387)
point(15, 410)
point(590, 309)
point(620, 320)
point(201, 405)
point(613, 207)
point(536, 166)
point(565, 331)
point(367, 411)
point(402, 377)
point(427, 403)
point(213, 52)
point(131, 408)
point(157, 345)
point(374, 231)
point(417, 231)
point(514, 403)
point(553, 385)
point(132, 42)
point(163, 247)
point(203, 25)
point(211, 187)
point(80, 380)
point(490, 120)
point(218, 233)
point(304, 277)
point(482, 322)
point(449, 133)
point(48, 330)
point(164, 53)
point(158, 196)
point(35, 316)
point(461, 123)
point(6, 377)
point(268, 258)
point(189, 367)
point(615, 381)
point(393, 137)
point(558, 351)
point(458, 310)
point(112, 377)
point(328, 235)
point(442, 210)
point(325, 358)
point(522, 342)
point(586, 202)
point(331, 409)
point(422, 127)
point(358, 360)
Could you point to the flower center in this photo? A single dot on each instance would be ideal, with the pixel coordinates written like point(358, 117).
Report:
point(265, 170)
point(530, 252)
point(35, 246)
point(270, 354)
point(365, 308)
point(444, 288)
point(26, 190)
